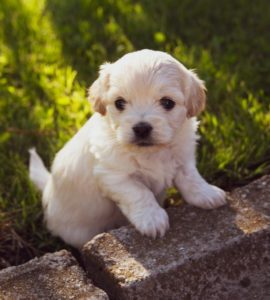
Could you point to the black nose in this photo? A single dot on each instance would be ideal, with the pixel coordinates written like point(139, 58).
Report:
point(142, 130)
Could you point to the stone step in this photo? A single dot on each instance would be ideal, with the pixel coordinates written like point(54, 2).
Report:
point(216, 254)
point(54, 276)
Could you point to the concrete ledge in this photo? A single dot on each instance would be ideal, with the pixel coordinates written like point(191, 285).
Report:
point(54, 276)
point(218, 254)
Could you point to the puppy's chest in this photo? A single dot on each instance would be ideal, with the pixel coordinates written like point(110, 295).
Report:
point(156, 171)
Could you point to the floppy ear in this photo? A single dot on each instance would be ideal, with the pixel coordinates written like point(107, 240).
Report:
point(196, 97)
point(97, 91)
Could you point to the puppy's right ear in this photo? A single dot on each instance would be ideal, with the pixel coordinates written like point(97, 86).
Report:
point(97, 91)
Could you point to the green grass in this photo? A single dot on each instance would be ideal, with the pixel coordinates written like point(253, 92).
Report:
point(50, 51)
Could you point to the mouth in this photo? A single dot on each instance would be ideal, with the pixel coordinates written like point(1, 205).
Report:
point(143, 143)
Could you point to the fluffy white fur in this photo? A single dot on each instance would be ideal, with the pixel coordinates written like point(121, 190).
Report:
point(102, 177)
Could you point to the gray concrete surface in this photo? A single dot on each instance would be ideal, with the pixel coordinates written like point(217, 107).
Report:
point(54, 276)
point(217, 254)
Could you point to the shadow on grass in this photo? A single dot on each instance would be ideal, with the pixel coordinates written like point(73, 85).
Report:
point(94, 31)
point(236, 34)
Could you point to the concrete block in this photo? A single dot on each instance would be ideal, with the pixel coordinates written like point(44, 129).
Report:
point(216, 254)
point(54, 276)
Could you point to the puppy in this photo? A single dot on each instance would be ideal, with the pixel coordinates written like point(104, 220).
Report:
point(140, 141)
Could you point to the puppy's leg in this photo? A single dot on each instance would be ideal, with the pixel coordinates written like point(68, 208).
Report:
point(196, 190)
point(136, 202)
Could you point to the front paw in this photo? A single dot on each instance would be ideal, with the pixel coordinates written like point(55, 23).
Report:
point(207, 196)
point(152, 222)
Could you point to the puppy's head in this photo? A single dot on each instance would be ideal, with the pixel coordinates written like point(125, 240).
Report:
point(146, 97)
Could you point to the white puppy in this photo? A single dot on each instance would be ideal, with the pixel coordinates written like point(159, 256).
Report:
point(140, 141)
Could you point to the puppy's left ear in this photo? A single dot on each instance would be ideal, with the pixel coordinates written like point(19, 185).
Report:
point(195, 95)
point(97, 91)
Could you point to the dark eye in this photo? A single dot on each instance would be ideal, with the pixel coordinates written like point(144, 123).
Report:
point(120, 104)
point(167, 103)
